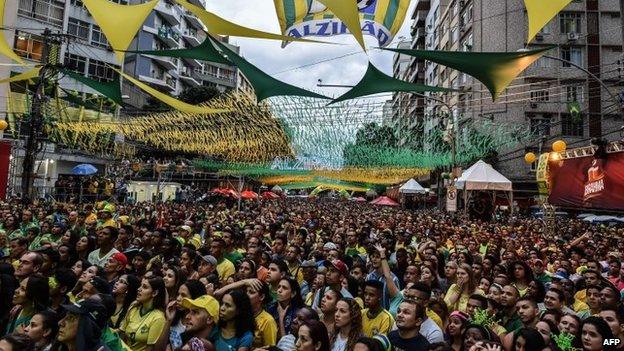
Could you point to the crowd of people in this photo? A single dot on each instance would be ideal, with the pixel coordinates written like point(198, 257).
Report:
point(305, 275)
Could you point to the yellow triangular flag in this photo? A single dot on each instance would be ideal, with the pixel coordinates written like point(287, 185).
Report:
point(218, 26)
point(348, 13)
point(173, 102)
point(33, 73)
point(5, 49)
point(540, 12)
point(119, 23)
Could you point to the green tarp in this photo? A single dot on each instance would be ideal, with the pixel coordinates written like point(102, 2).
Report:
point(109, 89)
point(264, 85)
point(496, 70)
point(204, 52)
point(375, 81)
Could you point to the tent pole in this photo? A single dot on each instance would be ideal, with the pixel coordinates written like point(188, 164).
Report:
point(511, 202)
point(465, 200)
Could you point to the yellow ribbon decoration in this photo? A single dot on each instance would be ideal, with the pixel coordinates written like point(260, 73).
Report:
point(119, 23)
point(218, 26)
point(540, 12)
point(5, 49)
point(348, 13)
point(33, 73)
point(175, 103)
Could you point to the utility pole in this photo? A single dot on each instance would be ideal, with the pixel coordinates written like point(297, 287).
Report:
point(34, 124)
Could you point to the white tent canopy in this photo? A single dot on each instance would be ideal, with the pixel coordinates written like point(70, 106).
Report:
point(412, 187)
point(482, 176)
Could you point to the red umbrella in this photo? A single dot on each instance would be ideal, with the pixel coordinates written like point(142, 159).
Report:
point(384, 201)
point(249, 195)
point(269, 195)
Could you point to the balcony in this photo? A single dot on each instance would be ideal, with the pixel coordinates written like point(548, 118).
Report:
point(168, 12)
point(422, 5)
point(159, 80)
point(193, 20)
point(191, 37)
point(189, 78)
point(166, 62)
point(170, 35)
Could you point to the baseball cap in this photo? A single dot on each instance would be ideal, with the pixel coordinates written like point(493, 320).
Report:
point(330, 246)
point(110, 208)
point(121, 258)
point(339, 265)
point(206, 302)
point(210, 259)
point(92, 309)
point(185, 228)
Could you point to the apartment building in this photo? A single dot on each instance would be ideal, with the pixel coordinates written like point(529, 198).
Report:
point(587, 34)
point(169, 26)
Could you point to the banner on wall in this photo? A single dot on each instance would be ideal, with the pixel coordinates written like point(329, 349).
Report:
point(381, 19)
point(588, 182)
point(5, 160)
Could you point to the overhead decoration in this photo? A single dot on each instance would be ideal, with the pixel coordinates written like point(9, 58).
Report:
point(381, 19)
point(119, 23)
point(111, 90)
point(171, 101)
point(540, 12)
point(375, 81)
point(204, 51)
point(348, 13)
point(216, 25)
point(264, 85)
point(496, 70)
point(5, 48)
point(30, 74)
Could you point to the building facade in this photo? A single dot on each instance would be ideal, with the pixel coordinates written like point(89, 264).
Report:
point(586, 33)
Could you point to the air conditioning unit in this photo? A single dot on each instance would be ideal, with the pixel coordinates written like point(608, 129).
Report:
point(539, 37)
point(534, 105)
point(573, 36)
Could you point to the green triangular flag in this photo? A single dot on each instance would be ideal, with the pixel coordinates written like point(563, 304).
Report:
point(204, 52)
point(574, 107)
point(375, 81)
point(264, 85)
point(109, 89)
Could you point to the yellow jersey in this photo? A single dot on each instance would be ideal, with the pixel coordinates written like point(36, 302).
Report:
point(266, 330)
point(381, 324)
point(142, 330)
point(225, 269)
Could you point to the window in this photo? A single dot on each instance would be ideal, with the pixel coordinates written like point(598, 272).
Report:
point(97, 37)
point(75, 63)
point(101, 71)
point(545, 30)
point(571, 125)
point(540, 125)
point(48, 11)
point(28, 46)
point(467, 44)
point(541, 95)
point(78, 28)
point(570, 22)
point(574, 93)
point(76, 2)
point(573, 55)
point(467, 15)
point(455, 35)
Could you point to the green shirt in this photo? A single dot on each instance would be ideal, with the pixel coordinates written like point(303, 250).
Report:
point(234, 256)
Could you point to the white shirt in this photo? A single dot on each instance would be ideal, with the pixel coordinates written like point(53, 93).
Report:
point(287, 343)
point(431, 331)
point(94, 257)
point(340, 344)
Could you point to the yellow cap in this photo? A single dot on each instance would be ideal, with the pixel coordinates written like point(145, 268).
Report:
point(206, 302)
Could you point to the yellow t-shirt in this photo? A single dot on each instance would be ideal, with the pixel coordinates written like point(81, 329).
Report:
point(297, 272)
point(434, 317)
point(381, 324)
point(225, 269)
point(266, 330)
point(142, 331)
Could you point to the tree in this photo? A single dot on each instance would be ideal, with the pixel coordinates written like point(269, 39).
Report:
point(198, 95)
point(369, 140)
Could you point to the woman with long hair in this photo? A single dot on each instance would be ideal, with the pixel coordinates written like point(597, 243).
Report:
point(594, 332)
point(450, 274)
point(246, 270)
point(457, 296)
point(548, 329)
point(236, 322)
point(289, 301)
point(348, 325)
point(473, 334)
point(124, 292)
point(188, 258)
point(328, 309)
point(429, 277)
point(520, 275)
point(84, 246)
point(312, 336)
point(457, 323)
point(528, 339)
point(145, 320)
point(536, 290)
point(32, 296)
point(87, 274)
point(173, 277)
point(80, 266)
point(42, 329)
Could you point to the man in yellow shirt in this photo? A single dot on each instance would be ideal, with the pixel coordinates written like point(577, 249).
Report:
point(225, 268)
point(375, 319)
